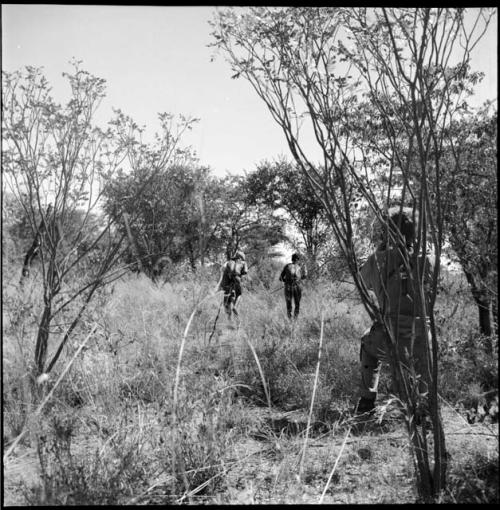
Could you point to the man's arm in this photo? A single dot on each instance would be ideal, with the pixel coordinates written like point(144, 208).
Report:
point(221, 279)
point(283, 273)
point(244, 269)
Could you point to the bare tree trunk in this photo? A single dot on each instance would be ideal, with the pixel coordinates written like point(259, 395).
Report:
point(494, 310)
point(42, 339)
point(30, 255)
point(132, 242)
point(484, 307)
point(35, 247)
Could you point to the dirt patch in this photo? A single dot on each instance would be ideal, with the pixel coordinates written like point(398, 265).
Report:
point(374, 467)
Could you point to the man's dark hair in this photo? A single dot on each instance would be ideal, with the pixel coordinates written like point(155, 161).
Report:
point(401, 221)
point(295, 257)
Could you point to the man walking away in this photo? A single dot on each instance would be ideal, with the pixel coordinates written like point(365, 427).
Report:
point(391, 272)
point(232, 272)
point(291, 275)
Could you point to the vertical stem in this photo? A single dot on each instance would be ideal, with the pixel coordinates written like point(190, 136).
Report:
point(312, 398)
point(132, 241)
point(42, 339)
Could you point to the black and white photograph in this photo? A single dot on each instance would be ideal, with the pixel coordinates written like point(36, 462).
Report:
point(249, 255)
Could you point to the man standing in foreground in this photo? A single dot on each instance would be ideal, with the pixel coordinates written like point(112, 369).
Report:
point(392, 273)
point(291, 275)
point(232, 272)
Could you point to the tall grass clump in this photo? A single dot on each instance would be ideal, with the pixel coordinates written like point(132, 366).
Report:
point(141, 455)
point(21, 308)
point(18, 322)
point(288, 350)
point(119, 397)
point(195, 443)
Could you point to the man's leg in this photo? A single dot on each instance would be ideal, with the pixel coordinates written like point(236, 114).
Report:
point(422, 355)
point(288, 301)
point(227, 302)
point(237, 295)
point(372, 347)
point(297, 294)
point(414, 345)
point(370, 374)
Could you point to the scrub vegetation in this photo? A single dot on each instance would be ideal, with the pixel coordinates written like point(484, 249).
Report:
point(124, 382)
point(108, 434)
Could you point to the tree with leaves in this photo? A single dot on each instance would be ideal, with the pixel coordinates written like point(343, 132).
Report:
point(55, 162)
point(279, 186)
point(145, 165)
point(311, 67)
point(471, 213)
point(177, 216)
point(248, 225)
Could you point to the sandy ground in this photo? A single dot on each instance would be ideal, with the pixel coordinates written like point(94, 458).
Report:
point(372, 468)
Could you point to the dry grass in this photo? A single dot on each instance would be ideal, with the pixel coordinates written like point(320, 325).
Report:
point(112, 433)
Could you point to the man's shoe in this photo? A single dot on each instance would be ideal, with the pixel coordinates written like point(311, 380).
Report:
point(363, 418)
point(365, 406)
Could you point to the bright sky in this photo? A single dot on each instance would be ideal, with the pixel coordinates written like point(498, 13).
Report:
point(155, 59)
